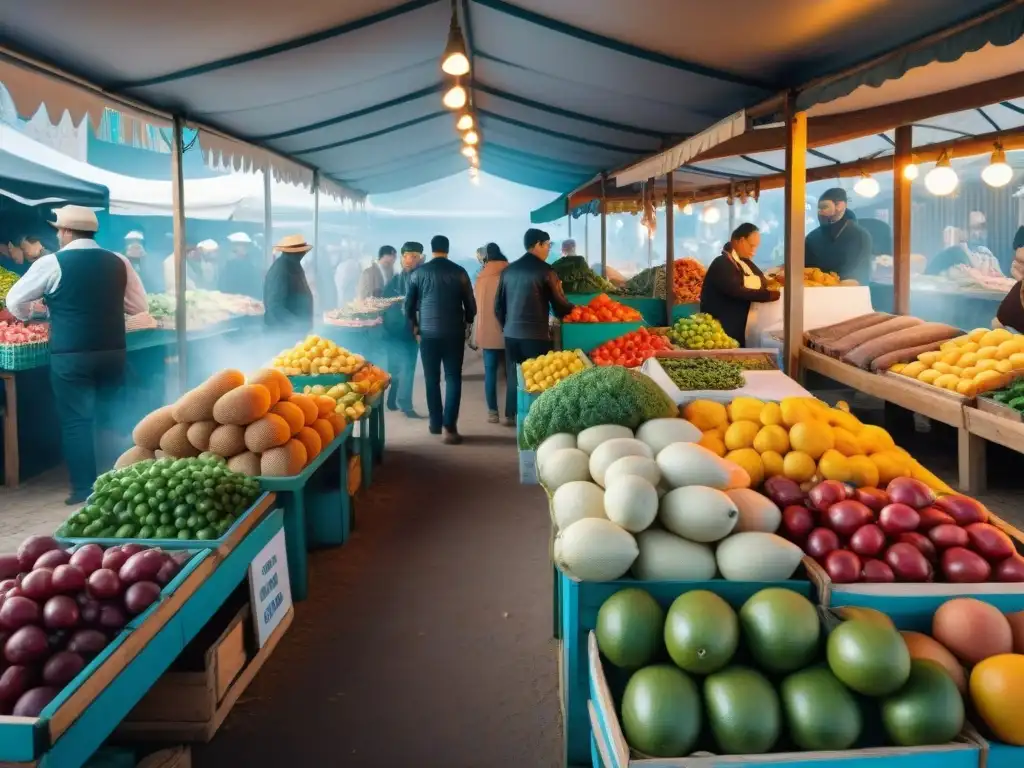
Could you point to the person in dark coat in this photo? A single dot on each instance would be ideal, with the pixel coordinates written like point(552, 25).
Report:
point(1011, 309)
point(287, 299)
point(839, 244)
point(239, 274)
point(733, 282)
point(440, 307)
point(403, 348)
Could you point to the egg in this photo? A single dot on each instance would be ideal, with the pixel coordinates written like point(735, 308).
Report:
point(972, 630)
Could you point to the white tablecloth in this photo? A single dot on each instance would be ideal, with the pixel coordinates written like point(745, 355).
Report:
point(822, 306)
point(764, 385)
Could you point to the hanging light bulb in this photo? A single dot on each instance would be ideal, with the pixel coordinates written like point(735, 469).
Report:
point(454, 61)
point(942, 179)
point(465, 122)
point(866, 186)
point(469, 151)
point(470, 137)
point(910, 170)
point(474, 174)
point(688, 210)
point(711, 215)
point(997, 173)
point(455, 97)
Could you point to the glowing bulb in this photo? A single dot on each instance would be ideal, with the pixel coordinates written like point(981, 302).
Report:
point(942, 179)
point(997, 173)
point(469, 151)
point(471, 138)
point(911, 171)
point(456, 64)
point(688, 210)
point(712, 216)
point(465, 122)
point(866, 187)
point(455, 97)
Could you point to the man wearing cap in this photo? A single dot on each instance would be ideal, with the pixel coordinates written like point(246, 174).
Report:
point(402, 347)
point(238, 274)
point(839, 244)
point(287, 299)
point(374, 278)
point(440, 308)
point(148, 268)
point(88, 291)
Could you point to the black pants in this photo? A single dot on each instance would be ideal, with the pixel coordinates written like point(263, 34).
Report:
point(86, 386)
point(518, 351)
point(447, 351)
point(402, 356)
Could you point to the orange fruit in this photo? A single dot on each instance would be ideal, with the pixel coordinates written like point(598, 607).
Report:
point(997, 690)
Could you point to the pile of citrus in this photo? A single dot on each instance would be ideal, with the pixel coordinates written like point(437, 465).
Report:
point(315, 356)
point(370, 379)
point(542, 373)
point(602, 309)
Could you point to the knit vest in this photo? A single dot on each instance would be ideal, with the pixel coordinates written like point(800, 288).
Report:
point(87, 309)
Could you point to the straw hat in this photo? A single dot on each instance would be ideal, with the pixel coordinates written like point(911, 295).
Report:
point(239, 237)
point(293, 244)
point(76, 217)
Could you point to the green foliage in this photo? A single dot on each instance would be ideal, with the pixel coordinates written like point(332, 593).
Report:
point(594, 396)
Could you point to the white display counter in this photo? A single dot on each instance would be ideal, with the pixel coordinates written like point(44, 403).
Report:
point(822, 306)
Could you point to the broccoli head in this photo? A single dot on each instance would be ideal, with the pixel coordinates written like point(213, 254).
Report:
point(595, 396)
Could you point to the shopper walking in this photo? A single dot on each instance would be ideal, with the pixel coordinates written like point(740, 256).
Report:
point(488, 335)
point(287, 298)
point(527, 289)
point(88, 291)
point(375, 278)
point(402, 346)
point(440, 307)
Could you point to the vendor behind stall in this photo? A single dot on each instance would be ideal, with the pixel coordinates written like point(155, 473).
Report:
point(287, 299)
point(733, 282)
point(239, 274)
point(148, 267)
point(839, 244)
point(88, 291)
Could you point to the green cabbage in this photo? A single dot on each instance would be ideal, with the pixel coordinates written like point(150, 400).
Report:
point(594, 396)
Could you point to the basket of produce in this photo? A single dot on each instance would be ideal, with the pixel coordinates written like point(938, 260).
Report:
point(202, 308)
point(539, 374)
point(260, 426)
point(1007, 402)
point(350, 401)
point(317, 356)
point(631, 349)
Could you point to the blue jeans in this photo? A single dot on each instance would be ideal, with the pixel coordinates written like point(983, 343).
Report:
point(494, 359)
point(448, 351)
point(402, 356)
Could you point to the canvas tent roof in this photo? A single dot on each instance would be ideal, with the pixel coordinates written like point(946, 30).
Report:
point(32, 184)
point(564, 88)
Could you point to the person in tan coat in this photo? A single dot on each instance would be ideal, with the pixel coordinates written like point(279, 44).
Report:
point(488, 335)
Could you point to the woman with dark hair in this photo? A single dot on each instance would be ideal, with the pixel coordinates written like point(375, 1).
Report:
point(487, 334)
point(733, 282)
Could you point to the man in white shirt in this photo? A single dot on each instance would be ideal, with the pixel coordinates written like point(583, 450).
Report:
point(88, 290)
point(375, 278)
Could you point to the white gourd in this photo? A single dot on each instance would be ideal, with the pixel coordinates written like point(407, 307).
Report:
point(611, 450)
point(641, 466)
point(576, 500)
point(756, 556)
point(684, 464)
point(661, 433)
point(757, 512)
point(591, 437)
point(667, 557)
point(554, 443)
point(699, 513)
point(563, 466)
point(631, 502)
point(594, 549)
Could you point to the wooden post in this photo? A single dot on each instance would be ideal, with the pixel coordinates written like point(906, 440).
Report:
point(795, 202)
point(178, 222)
point(670, 244)
point(569, 216)
point(604, 232)
point(901, 204)
point(319, 255)
point(586, 235)
point(268, 215)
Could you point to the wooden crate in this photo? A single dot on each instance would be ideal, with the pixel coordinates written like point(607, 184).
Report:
point(191, 706)
point(988, 405)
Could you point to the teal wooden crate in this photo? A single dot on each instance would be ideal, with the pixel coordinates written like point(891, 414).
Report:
point(586, 336)
point(1003, 755)
point(324, 379)
point(242, 524)
point(680, 311)
point(652, 309)
point(524, 399)
point(580, 604)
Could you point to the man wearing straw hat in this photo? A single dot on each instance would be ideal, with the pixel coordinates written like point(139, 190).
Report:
point(88, 291)
point(287, 299)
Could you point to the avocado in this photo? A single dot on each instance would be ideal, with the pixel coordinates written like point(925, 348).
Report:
point(869, 657)
point(927, 710)
point(821, 712)
point(661, 711)
point(630, 627)
point(781, 628)
point(701, 632)
point(743, 711)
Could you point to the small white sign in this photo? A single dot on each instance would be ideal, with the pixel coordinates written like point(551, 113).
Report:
point(270, 591)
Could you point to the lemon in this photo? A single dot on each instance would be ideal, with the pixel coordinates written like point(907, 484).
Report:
point(771, 414)
point(772, 438)
point(798, 466)
point(741, 434)
point(773, 464)
point(749, 459)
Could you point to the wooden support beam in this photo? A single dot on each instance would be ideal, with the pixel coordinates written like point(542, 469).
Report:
point(670, 247)
point(178, 224)
point(793, 228)
point(901, 220)
point(604, 232)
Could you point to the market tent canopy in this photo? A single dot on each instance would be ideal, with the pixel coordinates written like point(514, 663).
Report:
point(563, 89)
point(31, 184)
point(458, 197)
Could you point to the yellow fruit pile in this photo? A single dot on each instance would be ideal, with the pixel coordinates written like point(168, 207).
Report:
point(542, 373)
point(370, 380)
point(315, 356)
point(259, 425)
point(805, 440)
point(981, 361)
point(813, 278)
point(347, 398)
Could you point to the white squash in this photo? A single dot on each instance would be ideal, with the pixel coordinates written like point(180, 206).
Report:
point(576, 500)
point(699, 513)
point(667, 557)
point(684, 464)
point(591, 437)
point(550, 445)
point(563, 466)
point(756, 556)
point(631, 502)
point(757, 512)
point(661, 433)
point(641, 466)
point(611, 450)
point(593, 549)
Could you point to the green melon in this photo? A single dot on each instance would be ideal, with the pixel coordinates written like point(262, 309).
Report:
point(743, 711)
point(781, 628)
point(661, 711)
point(821, 713)
point(701, 632)
point(868, 657)
point(630, 627)
point(927, 710)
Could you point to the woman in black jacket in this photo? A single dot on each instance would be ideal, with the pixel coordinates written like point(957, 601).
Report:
point(733, 281)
